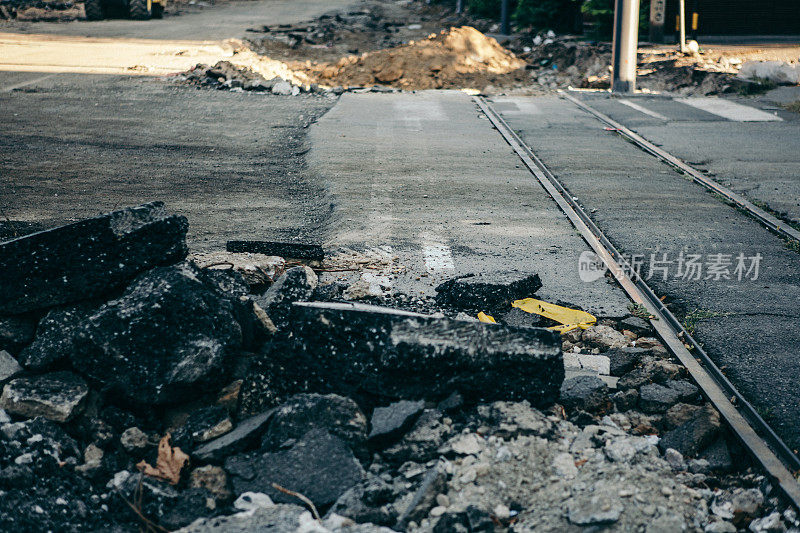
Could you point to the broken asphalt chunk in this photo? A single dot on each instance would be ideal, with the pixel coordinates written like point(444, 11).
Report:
point(170, 336)
point(319, 465)
point(58, 396)
point(87, 258)
point(377, 355)
point(487, 292)
point(287, 250)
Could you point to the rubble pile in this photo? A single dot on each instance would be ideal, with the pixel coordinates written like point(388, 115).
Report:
point(454, 58)
point(142, 388)
point(226, 75)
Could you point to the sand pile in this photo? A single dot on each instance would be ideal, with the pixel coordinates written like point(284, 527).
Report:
point(459, 57)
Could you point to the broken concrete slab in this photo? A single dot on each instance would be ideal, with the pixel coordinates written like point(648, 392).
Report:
point(169, 337)
point(319, 465)
point(87, 258)
point(379, 355)
point(487, 292)
point(58, 396)
point(288, 250)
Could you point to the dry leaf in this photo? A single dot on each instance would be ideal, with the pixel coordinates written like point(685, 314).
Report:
point(169, 463)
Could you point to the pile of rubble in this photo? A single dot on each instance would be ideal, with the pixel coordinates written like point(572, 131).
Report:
point(455, 58)
point(226, 75)
point(234, 391)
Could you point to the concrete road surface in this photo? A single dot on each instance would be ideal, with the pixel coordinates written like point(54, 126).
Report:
point(688, 242)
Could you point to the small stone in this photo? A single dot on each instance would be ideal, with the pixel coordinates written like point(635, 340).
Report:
point(389, 423)
point(636, 325)
point(242, 435)
point(442, 500)
point(9, 367)
point(593, 510)
point(625, 400)
point(620, 450)
point(693, 436)
point(422, 442)
point(674, 458)
point(208, 423)
point(604, 337)
point(655, 398)
point(622, 360)
point(564, 465)
point(768, 524)
point(134, 440)
point(717, 456)
point(250, 501)
point(214, 480)
point(92, 460)
point(666, 491)
point(469, 444)
point(679, 414)
point(282, 88)
point(589, 393)
point(720, 526)
point(297, 284)
point(57, 396)
point(438, 511)
point(501, 512)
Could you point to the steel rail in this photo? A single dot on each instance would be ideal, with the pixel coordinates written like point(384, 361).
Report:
point(774, 224)
point(744, 421)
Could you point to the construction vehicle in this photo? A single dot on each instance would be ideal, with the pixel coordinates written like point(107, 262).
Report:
point(134, 9)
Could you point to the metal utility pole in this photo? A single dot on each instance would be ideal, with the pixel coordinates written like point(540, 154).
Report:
point(626, 39)
point(682, 24)
point(658, 10)
point(505, 27)
point(459, 6)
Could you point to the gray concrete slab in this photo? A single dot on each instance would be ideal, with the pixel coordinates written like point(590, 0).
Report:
point(425, 176)
point(749, 327)
point(758, 159)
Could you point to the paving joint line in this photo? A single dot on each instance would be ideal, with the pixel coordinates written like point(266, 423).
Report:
point(715, 386)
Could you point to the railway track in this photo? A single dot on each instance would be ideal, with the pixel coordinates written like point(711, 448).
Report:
point(766, 447)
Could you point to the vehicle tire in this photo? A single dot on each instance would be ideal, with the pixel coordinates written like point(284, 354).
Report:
point(157, 11)
point(94, 9)
point(137, 10)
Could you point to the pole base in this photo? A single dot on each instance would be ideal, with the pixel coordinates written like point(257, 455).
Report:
point(623, 86)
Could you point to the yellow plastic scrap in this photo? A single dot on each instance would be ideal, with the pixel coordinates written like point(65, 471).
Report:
point(483, 317)
point(568, 318)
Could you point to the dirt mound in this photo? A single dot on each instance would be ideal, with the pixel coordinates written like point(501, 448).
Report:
point(459, 57)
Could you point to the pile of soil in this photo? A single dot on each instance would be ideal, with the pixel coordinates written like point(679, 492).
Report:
point(455, 58)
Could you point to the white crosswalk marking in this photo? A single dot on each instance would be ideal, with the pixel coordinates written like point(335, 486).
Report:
point(730, 110)
point(642, 109)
